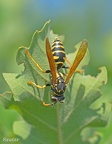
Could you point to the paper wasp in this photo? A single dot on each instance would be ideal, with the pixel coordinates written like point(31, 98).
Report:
point(58, 80)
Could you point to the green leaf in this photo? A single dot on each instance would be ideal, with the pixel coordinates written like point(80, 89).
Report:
point(62, 123)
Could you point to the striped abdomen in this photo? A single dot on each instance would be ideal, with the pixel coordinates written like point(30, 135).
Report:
point(58, 53)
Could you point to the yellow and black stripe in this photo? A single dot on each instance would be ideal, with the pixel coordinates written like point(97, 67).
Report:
point(58, 53)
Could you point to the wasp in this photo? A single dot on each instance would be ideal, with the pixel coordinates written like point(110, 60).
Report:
point(58, 80)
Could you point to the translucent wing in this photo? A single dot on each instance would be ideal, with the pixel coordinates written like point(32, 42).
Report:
point(51, 60)
point(81, 53)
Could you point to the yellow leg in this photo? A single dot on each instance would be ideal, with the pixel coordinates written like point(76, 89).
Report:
point(37, 65)
point(46, 104)
point(80, 71)
point(67, 60)
point(35, 85)
point(77, 71)
point(38, 86)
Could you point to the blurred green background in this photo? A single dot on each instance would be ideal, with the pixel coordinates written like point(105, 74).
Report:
point(75, 19)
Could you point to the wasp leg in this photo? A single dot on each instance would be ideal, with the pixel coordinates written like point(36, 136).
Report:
point(77, 71)
point(54, 102)
point(37, 65)
point(54, 99)
point(45, 104)
point(51, 104)
point(38, 86)
point(67, 60)
point(80, 71)
point(66, 67)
